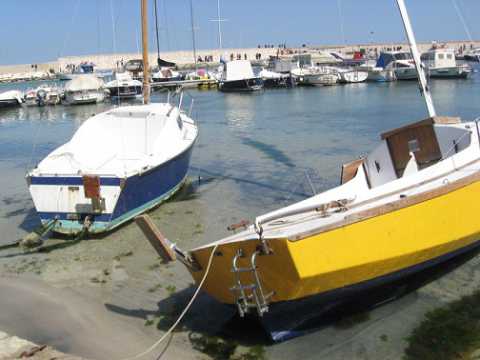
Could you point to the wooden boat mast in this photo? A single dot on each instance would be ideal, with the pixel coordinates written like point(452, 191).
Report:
point(146, 70)
point(424, 88)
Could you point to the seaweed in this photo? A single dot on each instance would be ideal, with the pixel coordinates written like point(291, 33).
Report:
point(449, 332)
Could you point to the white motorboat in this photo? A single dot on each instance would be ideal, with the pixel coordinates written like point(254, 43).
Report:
point(378, 74)
point(401, 62)
point(273, 79)
point(351, 75)
point(315, 76)
point(238, 76)
point(72, 71)
point(84, 89)
point(441, 63)
point(11, 98)
point(124, 87)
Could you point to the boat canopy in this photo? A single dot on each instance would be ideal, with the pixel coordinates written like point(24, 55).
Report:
point(239, 70)
point(139, 137)
point(386, 58)
point(83, 83)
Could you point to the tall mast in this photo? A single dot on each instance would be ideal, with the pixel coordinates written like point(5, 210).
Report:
point(156, 28)
point(424, 88)
point(146, 70)
point(219, 26)
point(193, 36)
point(219, 20)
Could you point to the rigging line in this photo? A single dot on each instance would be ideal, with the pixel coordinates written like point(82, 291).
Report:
point(156, 28)
point(193, 36)
point(114, 43)
point(462, 19)
point(166, 24)
point(340, 15)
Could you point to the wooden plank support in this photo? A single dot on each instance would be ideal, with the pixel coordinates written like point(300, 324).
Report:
point(160, 243)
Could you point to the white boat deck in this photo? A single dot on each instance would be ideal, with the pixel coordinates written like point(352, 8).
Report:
point(122, 142)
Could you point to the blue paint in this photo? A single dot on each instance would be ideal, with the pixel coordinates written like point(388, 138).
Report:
point(143, 188)
point(71, 180)
point(140, 193)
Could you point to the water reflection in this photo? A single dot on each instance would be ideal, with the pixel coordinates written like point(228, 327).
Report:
point(240, 111)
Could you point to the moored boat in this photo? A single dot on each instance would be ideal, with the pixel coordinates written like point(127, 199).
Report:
point(11, 98)
point(102, 181)
point(400, 62)
point(441, 64)
point(238, 76)
point(272, 79)
point(124, 87)
point(315, 76)
point(118, 164)
point(351, 75)
point(84, 89)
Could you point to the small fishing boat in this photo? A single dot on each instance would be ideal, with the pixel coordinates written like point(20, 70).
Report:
point(403, 209)
point(11, 98)
point(124, 87)
point(238, 76)
point(118, 164)
point(441, 64)
point(43, 95)
point(84, 89)
point(351, 75)
point(315, 76)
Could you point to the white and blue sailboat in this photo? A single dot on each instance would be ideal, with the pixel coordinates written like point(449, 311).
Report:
point(118, 164)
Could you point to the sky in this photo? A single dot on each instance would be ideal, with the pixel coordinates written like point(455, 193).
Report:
point(34, 31)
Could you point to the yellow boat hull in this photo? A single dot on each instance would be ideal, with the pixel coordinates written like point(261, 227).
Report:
point(404, 239)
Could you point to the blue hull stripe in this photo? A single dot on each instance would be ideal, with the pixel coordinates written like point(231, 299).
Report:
point(140, 192)
point(77, 180)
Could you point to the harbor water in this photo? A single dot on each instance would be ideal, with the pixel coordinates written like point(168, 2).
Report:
point(255, 153)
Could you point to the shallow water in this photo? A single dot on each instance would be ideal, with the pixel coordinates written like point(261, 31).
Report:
point(257, 151)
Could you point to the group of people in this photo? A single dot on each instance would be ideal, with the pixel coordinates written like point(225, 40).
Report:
point(207, 58)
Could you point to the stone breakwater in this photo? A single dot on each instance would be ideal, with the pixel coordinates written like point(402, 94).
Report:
point(185, 59)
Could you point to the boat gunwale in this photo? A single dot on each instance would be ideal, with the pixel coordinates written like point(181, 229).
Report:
point(399, 204)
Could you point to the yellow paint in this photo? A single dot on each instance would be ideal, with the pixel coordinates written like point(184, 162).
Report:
point(355, 252)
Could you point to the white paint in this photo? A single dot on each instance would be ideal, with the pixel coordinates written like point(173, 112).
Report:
point(385, 172)
point(70, 199)
point(238, 70)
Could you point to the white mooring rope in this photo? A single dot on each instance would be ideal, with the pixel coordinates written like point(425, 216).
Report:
point(207, 270)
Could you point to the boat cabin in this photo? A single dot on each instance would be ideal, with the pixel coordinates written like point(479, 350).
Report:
point(386, 58)
point(439, 58)
point(238, 70)
point(409, 149)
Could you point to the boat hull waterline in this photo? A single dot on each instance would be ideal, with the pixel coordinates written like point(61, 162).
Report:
point(365, 250)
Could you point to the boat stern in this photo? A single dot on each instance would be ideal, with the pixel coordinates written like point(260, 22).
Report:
point(76, 202)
